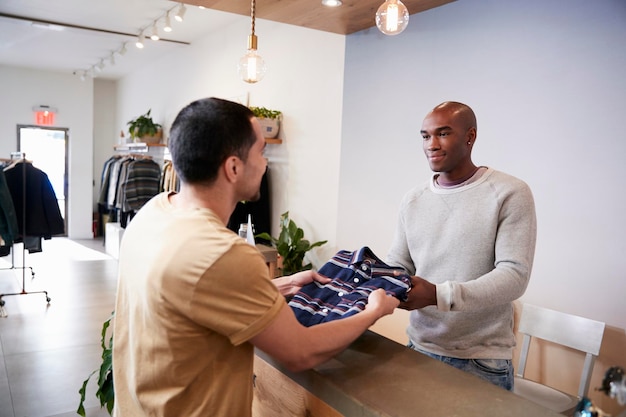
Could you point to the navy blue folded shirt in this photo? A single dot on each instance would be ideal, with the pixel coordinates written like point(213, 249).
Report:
point(354, 276)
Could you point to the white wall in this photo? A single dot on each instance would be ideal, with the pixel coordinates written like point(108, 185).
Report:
point(546, 80)
point(304, 81)
point(20, 90)
point(105, 133)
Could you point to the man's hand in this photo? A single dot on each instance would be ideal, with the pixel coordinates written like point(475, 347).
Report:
point(422, 294)
point(382, 302)
point(298, 280)
point(302, 278)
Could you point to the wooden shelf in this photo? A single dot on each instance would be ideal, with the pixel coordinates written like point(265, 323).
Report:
point(273, 141)
point(137, 146)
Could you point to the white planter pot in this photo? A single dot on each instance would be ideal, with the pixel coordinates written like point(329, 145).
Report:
point(269, 127)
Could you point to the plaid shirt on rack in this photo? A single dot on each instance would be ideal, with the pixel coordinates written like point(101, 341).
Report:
point(354, 276)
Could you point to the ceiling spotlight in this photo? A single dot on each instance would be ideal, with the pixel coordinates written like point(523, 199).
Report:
point(168, 25)
point(180, 15)
point(155, 33)
point(332, 3)
point(83, 76)
point(112, 58)
point(101, 65)
point(140, 40)
point(392, 17)
point(123, 50)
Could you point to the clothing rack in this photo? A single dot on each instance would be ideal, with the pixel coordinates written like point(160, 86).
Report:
point(15, 157)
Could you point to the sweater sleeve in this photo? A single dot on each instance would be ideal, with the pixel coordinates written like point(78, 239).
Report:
point(514, 250)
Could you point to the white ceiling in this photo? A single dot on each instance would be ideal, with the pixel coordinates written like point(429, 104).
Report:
point(31, 44)
point(74, 36)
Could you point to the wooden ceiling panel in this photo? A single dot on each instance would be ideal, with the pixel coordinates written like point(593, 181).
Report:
point(352, 16)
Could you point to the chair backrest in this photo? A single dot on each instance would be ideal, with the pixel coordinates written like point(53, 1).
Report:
point(572, 331)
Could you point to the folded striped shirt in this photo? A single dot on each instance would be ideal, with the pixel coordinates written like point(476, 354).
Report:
point(354, 276)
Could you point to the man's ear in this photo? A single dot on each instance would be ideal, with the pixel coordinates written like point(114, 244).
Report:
point(232, 168)
point(471, 134)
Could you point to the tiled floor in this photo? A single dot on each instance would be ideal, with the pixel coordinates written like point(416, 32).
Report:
point(47, 351)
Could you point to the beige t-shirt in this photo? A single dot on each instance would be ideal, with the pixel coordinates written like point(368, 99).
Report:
point(191, 293)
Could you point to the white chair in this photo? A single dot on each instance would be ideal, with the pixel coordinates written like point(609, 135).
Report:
point(572, 331)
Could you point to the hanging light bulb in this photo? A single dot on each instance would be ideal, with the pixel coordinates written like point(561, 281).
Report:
point(251, 66)
point(392, 17)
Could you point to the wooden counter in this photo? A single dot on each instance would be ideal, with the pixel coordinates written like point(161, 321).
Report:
point(377, 377)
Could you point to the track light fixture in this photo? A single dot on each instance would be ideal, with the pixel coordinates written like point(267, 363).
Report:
point(140, 40)
point(251, 66)
point(168, 26)
point(332, 3)
point(392, 17)
point(178, 11)
point(180, 15)
point(155, 33)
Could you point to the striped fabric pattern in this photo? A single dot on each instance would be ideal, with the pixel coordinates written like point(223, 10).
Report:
point(354, 276)
point(143, 181)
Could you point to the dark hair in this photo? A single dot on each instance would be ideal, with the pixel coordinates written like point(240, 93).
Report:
point(205, 133)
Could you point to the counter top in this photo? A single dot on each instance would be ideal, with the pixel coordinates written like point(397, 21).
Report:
point(377, 377)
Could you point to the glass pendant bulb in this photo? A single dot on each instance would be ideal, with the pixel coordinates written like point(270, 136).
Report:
point(251, 67)
point(392, 17)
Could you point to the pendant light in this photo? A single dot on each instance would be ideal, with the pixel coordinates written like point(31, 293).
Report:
point(251, 66)
point(392, 17)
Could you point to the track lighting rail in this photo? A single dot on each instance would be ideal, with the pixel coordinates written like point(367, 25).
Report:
point(79, 27)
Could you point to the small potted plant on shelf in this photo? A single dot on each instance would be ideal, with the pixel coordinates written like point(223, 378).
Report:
point(144, 129)
point(291, 245)
point(269, 120)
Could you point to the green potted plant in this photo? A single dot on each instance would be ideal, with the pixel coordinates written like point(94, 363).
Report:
point(105, 374)
point(291, 245)
point(269, 120)
point(144, 129)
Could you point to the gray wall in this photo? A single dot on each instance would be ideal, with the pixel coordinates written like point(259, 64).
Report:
point(547, 81)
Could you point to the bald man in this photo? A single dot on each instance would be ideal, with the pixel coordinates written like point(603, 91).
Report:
point(467, 236)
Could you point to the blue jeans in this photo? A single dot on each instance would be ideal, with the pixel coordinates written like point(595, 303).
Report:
point(497, 371)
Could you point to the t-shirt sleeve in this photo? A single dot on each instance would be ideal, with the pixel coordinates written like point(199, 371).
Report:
point(235, 297)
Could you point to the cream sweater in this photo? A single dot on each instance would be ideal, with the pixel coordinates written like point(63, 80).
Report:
point(476, 243)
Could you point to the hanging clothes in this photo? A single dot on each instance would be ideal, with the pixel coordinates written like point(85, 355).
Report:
point(142, 182)
point(104, 183)
point(128, 182)
point(36, 207)
point(354, 276)
point(8, 220)
point(169, 179)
